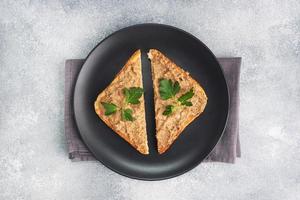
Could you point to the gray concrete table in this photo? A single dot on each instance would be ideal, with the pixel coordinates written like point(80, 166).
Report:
point(37, 36)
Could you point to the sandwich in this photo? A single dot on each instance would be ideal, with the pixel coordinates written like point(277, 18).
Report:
point(121, 104)
point(178, 99)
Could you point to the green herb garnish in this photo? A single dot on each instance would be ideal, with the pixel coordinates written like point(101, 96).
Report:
point(110, 108)
point(168, 90)
point(132, 96)
point(127, 115)
point(187, 103)
point(185, 97)
point(169, 109)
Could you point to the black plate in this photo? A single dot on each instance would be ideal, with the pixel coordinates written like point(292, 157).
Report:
point(197, 140)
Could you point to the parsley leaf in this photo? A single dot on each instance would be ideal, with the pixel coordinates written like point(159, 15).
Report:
point(169, 109)
point(133, 94)
point(187, 103)
point(168, 89)
point(110, 108)
point(185, 97)
point(127, 114)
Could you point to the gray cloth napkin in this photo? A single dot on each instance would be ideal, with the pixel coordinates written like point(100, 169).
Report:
point(227, 149)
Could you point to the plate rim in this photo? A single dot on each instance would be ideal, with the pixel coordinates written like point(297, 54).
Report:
point(188, 168)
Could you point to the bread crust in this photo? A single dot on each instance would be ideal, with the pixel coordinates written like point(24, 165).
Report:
point(159, 63)
point(141, 145)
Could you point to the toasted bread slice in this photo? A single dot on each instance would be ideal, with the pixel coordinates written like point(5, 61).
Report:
point(168, 128)
point(134, 132)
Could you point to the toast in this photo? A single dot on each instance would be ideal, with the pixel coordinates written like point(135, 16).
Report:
point(127, 119)
point(187, 103)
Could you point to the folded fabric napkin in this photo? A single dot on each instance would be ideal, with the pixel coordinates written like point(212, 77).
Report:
point(227, 149)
